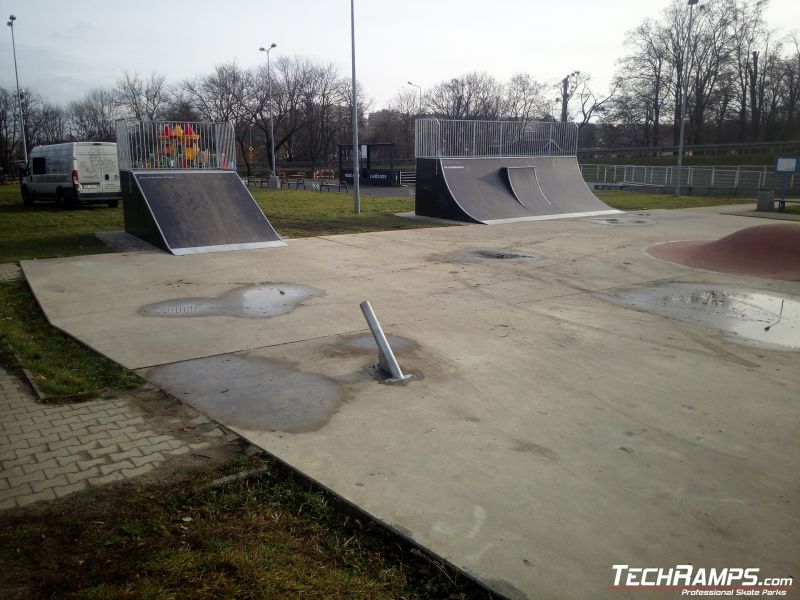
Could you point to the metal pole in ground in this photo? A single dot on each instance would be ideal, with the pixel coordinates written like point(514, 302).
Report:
point(356, 174)
point(386, 358)
point(10, 23)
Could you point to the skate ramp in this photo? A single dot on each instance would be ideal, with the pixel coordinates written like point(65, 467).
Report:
point(495, 190)
point(190, 212)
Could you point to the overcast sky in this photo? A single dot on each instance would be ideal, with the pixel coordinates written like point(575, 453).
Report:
point(65, 48)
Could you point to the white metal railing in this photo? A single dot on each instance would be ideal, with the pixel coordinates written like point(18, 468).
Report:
point(443, 138)
point(175, 145)
point(734, 177)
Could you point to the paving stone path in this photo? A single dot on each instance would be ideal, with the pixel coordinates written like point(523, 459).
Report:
point(50, 451)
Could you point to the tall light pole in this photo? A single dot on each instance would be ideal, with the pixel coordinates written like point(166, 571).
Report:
point(10, 23)
point(269, 101)
point(683, 99)
point(356, 174)
point(420, 96)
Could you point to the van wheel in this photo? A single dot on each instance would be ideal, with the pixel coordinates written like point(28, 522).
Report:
point(68, 199)
point(113, 203)
point(27, 197)
point(59, 198)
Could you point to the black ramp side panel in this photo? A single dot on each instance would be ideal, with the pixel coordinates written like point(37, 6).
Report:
point(198, 211)
point(139, 220)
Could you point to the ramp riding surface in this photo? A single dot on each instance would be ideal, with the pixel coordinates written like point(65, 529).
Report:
point(504, 189)
point(189, 212)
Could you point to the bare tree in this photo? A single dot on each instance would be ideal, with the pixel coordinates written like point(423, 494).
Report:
point(525, 98)
point(473, 95)
point(93, 116)
point(145, 99)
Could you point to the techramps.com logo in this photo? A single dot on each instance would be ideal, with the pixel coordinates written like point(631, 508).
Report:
point(692, 581)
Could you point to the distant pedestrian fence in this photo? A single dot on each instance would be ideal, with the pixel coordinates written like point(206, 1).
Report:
point(741, 177)
point(436, 138)
point(175, 145)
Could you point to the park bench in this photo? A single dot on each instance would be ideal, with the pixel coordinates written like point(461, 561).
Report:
point(297, 178)
point(325, 179)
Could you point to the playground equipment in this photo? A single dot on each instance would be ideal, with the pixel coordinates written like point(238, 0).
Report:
point(500, 171)
point(181, 191)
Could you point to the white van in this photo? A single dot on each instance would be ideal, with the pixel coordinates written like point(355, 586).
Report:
point(73, 173)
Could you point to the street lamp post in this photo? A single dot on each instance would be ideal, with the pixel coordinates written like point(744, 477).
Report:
point(420, 96)
point(683, 99)
point(10, 23)
point(356, 174)
point(273, 179)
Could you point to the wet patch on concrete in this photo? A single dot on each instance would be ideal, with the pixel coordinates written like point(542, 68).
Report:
point(366, 343)
point(627, 221)
point(470, 255)
point(265, 300)
point(251, 393)
point(749, 316)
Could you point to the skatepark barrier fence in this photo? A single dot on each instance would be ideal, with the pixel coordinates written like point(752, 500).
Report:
point(733, 177)
point(437, 138)
point(175, 145)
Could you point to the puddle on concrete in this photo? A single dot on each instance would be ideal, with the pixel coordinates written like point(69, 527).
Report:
point(624, 221)
point(251, 393)
point(482, 254)
point(366, 343)
point(745, 315)
point(266, 300)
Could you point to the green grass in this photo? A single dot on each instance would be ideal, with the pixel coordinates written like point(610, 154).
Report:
point(307, 213)
point(273, 535)
point(59, 365)
point(43, 231)
point(625, 200)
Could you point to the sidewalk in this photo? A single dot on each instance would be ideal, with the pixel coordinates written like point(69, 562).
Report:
point(51, 451)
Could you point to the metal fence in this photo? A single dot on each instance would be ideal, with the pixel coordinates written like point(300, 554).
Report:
point(741, 177)
point(442, 138)
point(175, 145)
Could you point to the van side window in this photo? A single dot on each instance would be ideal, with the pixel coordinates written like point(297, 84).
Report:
point(39, 165)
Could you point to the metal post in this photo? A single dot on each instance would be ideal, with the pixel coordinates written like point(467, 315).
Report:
point(274, 178)
point(386, 358)
point(10, 23)
point(420, 96)
point(271, 129)
point(356, 174)
point(683, 99)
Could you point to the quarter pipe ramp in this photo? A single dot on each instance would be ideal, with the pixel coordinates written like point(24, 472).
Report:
point(188, 212)
point(504, 189)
